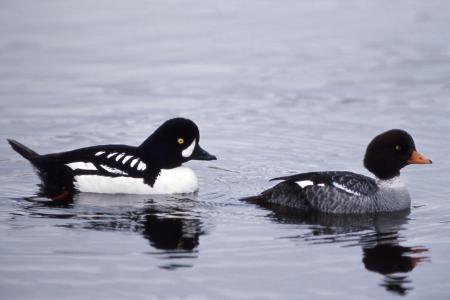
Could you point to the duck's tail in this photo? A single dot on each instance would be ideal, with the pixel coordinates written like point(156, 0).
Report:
point(57, 179)
point(23, 150)
point(254, 199)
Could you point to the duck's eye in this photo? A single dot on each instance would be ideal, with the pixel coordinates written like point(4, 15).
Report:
point(180, 141)
point(398, 148)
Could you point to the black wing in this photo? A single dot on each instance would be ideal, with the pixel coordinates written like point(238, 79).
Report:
point(351, 182)
point(110, 160)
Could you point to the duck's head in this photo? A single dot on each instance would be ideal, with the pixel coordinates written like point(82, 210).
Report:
point(390, 151)
point(176, 141)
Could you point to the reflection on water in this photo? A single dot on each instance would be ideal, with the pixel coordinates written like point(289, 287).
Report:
point(171, 225)
point(173, 228)
point(165, 221)
point(378, 235)
point(171, 233)
point(389, 258)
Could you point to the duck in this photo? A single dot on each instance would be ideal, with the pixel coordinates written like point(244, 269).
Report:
point(153, 167)
point(344, 192)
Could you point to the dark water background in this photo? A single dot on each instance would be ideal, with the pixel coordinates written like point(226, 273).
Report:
point(276, 87)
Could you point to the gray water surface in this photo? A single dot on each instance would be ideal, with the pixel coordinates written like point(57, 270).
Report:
point(276, 87)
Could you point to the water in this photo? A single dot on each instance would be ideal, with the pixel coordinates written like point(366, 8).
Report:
point(276, 88)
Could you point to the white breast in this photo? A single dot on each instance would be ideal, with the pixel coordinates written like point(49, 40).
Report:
point(394, 195)
point(170, 181)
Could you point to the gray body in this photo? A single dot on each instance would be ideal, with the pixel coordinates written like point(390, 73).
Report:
point(339, 192)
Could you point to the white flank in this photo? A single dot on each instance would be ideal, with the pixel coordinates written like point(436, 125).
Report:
point(173, 181)
point(189, 150)
point(304, 183)
point(81, 166)
point(126, 158)
point(141, 166)
point(111, 155)
point(99, 153)
point(119, 156)
point(113, 170)
point(344, 188)
point(134, 162)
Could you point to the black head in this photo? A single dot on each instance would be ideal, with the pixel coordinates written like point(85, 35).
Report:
point(390, 151)
point(176, 141)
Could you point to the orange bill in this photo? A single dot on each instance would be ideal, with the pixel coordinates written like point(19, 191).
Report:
point(417, 158)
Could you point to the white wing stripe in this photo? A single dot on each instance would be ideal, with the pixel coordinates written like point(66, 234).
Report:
point(81, 166)
point(119, 156)
point(126, 158)
point(141, 166)
point(134, 161)
point(344, 188)
point(99, 153)
point(113, 170)
point(111, 155)
point(304, 183)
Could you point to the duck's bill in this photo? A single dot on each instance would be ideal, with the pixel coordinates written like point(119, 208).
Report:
point(200, 154)
point(417, 158)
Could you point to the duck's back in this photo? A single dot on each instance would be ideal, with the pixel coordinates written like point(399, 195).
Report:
point(332, 192)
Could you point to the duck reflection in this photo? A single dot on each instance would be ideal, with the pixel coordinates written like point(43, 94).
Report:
point(382, 253)
point(171, 233)
point(169, 223)
point(377, 235)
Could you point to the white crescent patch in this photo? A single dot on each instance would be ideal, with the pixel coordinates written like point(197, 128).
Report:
point(189, 150)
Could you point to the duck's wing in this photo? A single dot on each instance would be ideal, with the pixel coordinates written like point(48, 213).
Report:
point(337, 192)
point(108, 160)
point(348, 182)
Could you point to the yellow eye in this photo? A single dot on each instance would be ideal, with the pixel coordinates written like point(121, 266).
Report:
point(398, 147)
point(181, 141)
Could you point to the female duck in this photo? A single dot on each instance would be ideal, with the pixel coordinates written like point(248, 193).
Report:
point(347, 192)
